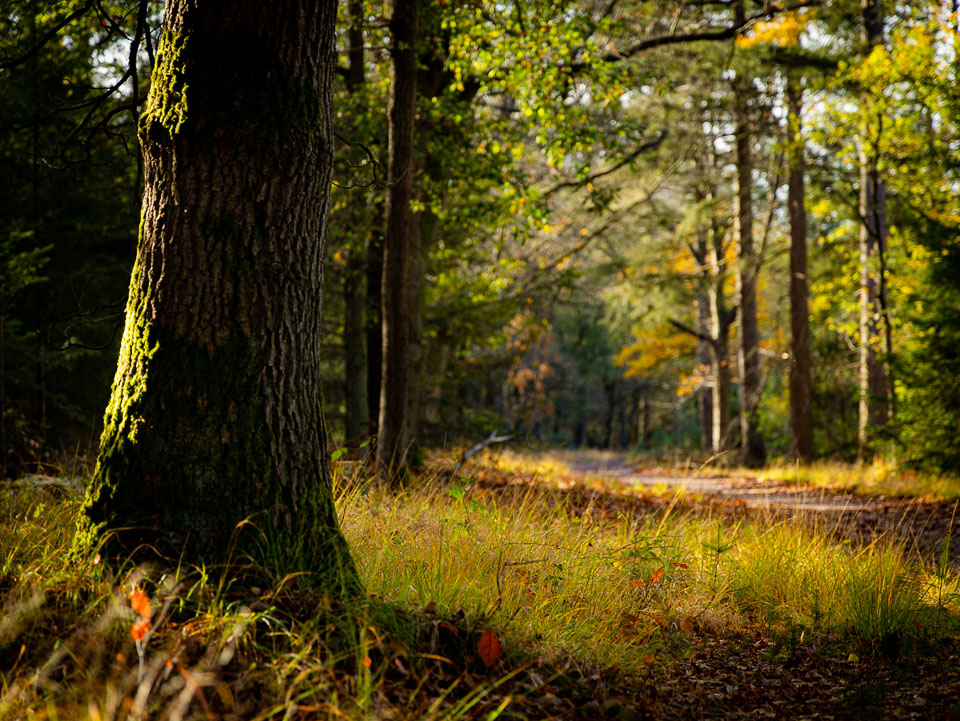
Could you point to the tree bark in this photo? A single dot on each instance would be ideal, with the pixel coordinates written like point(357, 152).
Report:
point(215, 415)
point(392, 440)
point(801, 408)
point(874, 391)
point(752, 449)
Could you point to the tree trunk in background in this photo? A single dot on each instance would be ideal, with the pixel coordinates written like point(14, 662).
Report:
point(392, 434)
point(705, 369)
point(356, 405)
point(874, 409)
point(374, 318)
point(752, 449)
point(801, 408)
point(421, 231)
point(215, 415)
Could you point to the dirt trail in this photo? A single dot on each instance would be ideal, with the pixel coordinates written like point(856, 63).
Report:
point(922, 526)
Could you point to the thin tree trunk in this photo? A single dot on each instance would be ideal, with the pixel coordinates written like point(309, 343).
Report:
point(356, 405)
point(392, 439)
point(215, 415)
point(874, 405)
point(801, 409)
point(356, 423)
point(705, 371)
point(752, 449)
point(374, 322)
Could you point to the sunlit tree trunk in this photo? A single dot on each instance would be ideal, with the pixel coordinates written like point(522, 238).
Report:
point(801, 409)
point(874, 407)
point(393, 430)
point(215, 415)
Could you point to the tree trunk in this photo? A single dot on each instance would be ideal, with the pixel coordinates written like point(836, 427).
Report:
point(356, 423)
point(752, 450)
point(356, 405)
point(215, 415)
point(704, 370)
point(374, 322)
point(392, 439)
point(801, 409)
point(874, 407)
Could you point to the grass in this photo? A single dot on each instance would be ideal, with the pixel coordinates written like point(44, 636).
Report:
point(573, 579)
point(879, 478)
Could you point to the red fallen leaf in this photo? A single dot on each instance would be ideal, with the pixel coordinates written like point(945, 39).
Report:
point(656, 576)
point(647, 660)
point(638, 584)
point(367, 662)
point(451, 629)
point(679, 565)
point(139, 629)
point(918, 625)
point(489, 648)
point(140, 603)
point(686, 625)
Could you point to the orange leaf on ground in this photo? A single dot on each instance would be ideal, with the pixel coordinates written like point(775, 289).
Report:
point(638, 584)
point(140, 603)
point(489, 648)
point(686, 625)
point(679, 565)
point(657, 575)
point(140, 628)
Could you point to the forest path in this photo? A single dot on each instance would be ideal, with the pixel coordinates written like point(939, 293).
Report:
point(922, 526)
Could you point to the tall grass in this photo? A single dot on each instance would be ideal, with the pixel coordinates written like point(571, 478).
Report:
point(561, 576)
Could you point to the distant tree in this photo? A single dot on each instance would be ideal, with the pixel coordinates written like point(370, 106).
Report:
point(215, 415)
point(875, 335)
point(393, 430)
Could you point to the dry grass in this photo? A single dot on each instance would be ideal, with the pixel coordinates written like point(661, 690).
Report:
point(559, 571)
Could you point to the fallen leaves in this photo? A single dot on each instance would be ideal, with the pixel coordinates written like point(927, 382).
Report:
point(489, 648)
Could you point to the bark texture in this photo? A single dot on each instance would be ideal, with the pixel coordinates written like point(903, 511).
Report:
point(215, 415)
point(874, 407)
point(392, 440)
point(801, 407)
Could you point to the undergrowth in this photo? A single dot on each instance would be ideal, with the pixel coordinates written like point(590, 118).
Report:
point(582, 585)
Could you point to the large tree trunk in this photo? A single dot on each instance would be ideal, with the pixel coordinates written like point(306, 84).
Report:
point(752, 449)
point(392, 439)
point(874, 409)
point(801, 408)
point(215, 415)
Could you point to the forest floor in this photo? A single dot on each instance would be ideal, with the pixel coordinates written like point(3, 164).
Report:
point(521, 586)
point(920, 524)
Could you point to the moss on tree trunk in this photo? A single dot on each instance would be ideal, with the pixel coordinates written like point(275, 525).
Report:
point(215, 415)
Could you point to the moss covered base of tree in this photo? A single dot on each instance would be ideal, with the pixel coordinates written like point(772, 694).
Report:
point(191, 469)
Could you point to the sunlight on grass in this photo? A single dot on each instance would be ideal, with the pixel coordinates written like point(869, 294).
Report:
point(563, 572)
point(879, 478)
